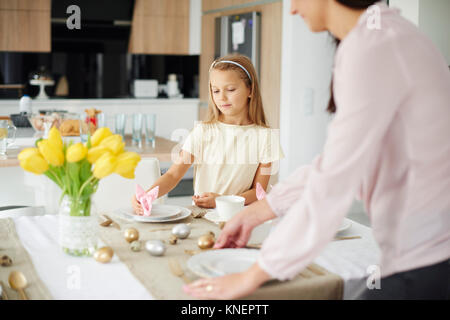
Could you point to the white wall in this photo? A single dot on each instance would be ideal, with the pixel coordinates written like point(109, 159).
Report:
point(432, 17)
point(307, 61)
point(434, 21)
point(409, 9)
point(195, 26)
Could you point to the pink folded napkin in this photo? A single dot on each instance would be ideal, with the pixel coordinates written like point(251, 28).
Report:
point(260, 193)
point(146, 198)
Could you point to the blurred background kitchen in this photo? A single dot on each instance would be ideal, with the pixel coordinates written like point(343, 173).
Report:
point(153, 57)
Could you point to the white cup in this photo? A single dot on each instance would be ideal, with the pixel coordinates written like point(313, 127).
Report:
point(228, 206)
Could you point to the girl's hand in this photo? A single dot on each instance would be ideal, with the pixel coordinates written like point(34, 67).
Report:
point(206, 200)
point(233, 286)
point(137, 206)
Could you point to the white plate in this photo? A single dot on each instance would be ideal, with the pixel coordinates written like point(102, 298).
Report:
point(216, 263)
point(347, 223)
point(128, 213)
point(159, 212)
point(213, 216)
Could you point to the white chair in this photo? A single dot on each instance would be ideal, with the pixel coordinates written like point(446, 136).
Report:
point(14, 191)
point(12, 211)
point(115, 192)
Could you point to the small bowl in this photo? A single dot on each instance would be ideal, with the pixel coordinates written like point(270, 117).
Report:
point(39, 121)
point(70, 125)
point(20, 120)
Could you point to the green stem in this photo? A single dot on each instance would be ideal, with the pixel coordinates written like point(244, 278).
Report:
point(85, 184)
point(56, 177)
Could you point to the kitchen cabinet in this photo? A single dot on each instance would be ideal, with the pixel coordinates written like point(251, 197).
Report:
point(221, 4)
point(160, 27)
point(25, 25)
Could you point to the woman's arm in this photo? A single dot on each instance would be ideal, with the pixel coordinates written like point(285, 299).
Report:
point(367, 108)
point(261, 178)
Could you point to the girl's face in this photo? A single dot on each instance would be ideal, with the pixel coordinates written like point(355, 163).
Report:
point(229, 93)
point(312, 11)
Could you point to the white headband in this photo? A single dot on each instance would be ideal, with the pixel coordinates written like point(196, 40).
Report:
point(232, 62)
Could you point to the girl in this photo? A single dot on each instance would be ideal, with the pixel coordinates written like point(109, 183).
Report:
point(234, 149)
point(388, 144)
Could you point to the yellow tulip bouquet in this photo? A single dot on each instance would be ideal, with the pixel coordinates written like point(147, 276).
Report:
point(76, 167)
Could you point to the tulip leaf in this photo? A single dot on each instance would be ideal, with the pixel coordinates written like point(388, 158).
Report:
point(50, 175)
point(87, 192)
point(74, 171)
point(37, 141)
point(85, 170)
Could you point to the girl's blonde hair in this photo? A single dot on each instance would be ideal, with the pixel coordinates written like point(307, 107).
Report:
point(255, 110)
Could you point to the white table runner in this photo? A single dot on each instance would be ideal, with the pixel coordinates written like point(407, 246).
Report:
point(69, 277)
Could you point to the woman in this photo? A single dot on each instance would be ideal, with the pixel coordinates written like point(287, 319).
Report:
point(388, 144)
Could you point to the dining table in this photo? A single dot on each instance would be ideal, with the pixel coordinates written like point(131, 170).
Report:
point(350, 257)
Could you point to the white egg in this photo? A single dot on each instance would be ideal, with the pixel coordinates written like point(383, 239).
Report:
point(155, 247)
point(181, 231)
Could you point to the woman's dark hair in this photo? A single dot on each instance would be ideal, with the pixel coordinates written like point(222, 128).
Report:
point(354, 4)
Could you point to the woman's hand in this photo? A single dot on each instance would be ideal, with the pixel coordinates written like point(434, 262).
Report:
point(233, 286)
point(237, 231)
point(206, 200)
point(137, 206)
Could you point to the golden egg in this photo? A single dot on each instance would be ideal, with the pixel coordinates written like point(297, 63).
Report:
point(206, 241)
point(131, 235)
point(104, 255)
point(173, 239)
point(106, 223)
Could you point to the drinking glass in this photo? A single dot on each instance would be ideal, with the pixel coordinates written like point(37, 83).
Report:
point(137, 129)
point(7, 136)
point(87, 127)
point(120, 124)
point(150, 127)
point(101, 120)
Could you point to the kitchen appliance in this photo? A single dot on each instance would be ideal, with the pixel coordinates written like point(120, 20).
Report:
point(105, 26)
point(172, 86)
point(145, 88)
point(239, 33)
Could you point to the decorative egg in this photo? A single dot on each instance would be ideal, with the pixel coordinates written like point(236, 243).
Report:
point(106, 222)
point(206, 241)
point(104, 255)
point(181, 231)
point(173, 239)
point(135, 246)
point(5, 261)
point(131, 235)
point(155, 247)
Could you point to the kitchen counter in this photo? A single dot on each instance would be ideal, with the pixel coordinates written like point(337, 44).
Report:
point(162, 151)
point(172, 115)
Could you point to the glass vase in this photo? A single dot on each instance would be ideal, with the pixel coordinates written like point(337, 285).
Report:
point(78, 233)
